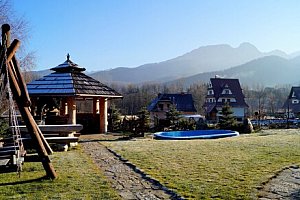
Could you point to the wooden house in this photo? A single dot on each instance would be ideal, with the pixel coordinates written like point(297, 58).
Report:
point(183, 102)
point(220, 91)
point(292, 104)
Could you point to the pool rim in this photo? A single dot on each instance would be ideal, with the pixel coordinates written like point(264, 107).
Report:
point(229, 133)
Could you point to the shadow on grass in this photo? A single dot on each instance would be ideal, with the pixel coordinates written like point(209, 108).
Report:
point(25, 181)
point(295, 195)
point(106, 140)
point(8, 169)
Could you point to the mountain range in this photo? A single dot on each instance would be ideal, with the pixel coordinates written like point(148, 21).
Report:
point(244, 62)
point(266, 71)
point(199, 63)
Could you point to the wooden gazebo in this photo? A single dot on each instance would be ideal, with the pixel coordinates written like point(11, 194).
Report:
point(63, 89)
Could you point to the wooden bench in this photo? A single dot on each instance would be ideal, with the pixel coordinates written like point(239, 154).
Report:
point(8, 152)
point(56, 140)
point(63, 130)
point(46, 135)
point(62, 140)
point(12, 155)
point(9, 148)
point(4, 161)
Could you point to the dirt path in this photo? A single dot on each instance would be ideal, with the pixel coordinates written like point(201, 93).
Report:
point(127, 180)
point(285, 185)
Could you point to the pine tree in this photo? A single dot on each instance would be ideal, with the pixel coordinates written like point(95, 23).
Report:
point(227, 120)
point(143, 121)
point(173, 115)
point(114, 118)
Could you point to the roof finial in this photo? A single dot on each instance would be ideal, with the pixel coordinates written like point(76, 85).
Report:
point(68, 57)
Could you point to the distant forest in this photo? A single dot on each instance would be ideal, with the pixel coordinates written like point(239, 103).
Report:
point(267, 100)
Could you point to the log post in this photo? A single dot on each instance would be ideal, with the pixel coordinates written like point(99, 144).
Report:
point(71, 110)
point(103, 115)
point(95, 106)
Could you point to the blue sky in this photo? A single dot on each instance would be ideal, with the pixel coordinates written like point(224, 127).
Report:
point(104, 34)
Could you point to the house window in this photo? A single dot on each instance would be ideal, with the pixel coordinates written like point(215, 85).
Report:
point(161, 107)
point(228, 100)
point(211, 100)
point(223, 100)
point(226, 91)
point(210, 92)
point(295, 101)
point(293, 95)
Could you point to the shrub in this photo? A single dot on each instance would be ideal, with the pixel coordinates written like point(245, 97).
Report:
point(227, 120)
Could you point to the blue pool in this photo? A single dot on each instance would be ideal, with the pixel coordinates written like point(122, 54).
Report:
point(196, 134)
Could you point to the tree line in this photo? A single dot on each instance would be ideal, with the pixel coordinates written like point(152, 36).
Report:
point(267, 101)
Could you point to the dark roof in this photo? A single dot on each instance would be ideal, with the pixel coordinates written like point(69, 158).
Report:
point(219, 84)
point(294, 107)
point(296, 91)
point(184, 102)
point(68, 80)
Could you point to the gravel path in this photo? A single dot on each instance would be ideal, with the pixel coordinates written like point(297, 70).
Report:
point(125, 178)
point(286, 185)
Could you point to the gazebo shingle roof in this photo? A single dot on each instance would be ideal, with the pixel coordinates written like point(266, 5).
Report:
point(68, 80)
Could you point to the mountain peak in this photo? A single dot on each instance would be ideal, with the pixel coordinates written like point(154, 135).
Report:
point(247, 45)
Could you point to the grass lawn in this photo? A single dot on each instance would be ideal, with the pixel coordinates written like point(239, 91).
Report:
point(78, 178)
point(228, 168)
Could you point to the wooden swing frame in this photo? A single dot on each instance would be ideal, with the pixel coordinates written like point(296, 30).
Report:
point(21, 97)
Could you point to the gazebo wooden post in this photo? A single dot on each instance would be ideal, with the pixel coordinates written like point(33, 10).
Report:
point(71, 110)
point(62, 110)
point(95, 106)
point(103, 115)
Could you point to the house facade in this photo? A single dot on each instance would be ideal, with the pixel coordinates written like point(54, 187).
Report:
point(292, 104)
point(220, 91)
point(183, 102)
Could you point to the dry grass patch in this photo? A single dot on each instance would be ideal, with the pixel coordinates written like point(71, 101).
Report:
point(228, 168)
point(78, 178)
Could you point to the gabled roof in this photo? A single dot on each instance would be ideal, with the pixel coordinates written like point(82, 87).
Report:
point(296, 92)
point(184, 102)
point(219, 84)
point(68, 80)
point(295, 107)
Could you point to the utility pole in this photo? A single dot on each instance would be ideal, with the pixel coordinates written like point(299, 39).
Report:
point(288, 113)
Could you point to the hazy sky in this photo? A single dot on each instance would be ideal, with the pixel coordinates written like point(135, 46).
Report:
point(103, 34)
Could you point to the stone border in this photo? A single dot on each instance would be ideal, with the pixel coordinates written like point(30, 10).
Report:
point(285, 184)
point(127, 179)
point(146, 176)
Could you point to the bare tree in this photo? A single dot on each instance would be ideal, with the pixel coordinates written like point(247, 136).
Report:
point(199, 93)
point(19, 30)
